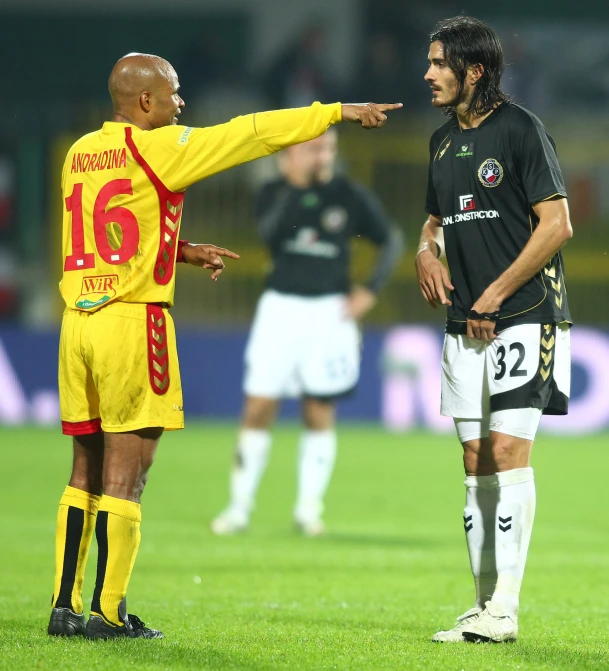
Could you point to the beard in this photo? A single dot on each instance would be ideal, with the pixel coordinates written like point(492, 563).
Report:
point(456, 97)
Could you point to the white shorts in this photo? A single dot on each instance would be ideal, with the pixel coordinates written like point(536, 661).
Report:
point(526, 366)
point(301, 346)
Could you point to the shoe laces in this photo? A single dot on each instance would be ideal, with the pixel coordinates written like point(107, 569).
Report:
point(134, 622)
point(470, 613)
point(495, 610)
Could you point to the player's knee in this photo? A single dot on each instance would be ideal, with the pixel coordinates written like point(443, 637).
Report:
point(318, 415)
point(88, 482)
point(477, 458)
point(257, 420)
point(478, 464)
point(470, 462)
point(318, 422)
point(510, 452)
point(259, 413)
point(88, 477)
point(121, 489)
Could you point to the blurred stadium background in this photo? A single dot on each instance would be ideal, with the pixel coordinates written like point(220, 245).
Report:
point(239, 56)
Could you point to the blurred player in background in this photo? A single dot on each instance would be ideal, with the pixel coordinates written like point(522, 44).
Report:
point(119, 382)
point(497, 192)
point(304, 341)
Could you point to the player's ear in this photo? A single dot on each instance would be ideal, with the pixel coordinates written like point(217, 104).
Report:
point(145, 102)
point(474, 72)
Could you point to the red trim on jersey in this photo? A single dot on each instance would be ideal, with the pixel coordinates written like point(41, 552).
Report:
point(81, 428)
point(158, 349)
point(171, 211)
point(181, 245)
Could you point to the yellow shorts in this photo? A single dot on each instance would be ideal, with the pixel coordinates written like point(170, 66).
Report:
point(118, 370)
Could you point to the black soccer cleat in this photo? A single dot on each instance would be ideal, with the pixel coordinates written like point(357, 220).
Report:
point(98, 629)
point(65, 622)
point(137, 629)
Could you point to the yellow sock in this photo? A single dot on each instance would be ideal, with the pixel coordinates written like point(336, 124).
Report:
point(118, 539)
point(75, 524)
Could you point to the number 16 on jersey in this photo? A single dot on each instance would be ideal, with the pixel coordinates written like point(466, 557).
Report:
point(118, 222)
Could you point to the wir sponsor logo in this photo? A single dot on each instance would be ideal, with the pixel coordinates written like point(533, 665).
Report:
point(96, 290)
point(98, 285)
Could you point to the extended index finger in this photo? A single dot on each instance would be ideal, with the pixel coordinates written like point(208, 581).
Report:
point(383, 107)
point(221, 251)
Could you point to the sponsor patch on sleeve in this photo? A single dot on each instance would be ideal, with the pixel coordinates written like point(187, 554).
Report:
point(183, 139)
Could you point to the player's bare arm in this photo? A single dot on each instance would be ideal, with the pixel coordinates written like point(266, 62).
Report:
point(552, 232)
point(368, 115)
point(360, 301)
point(208, 257)
point(432, 274)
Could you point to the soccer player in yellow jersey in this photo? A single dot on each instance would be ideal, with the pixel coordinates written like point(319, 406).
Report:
point(119, 382)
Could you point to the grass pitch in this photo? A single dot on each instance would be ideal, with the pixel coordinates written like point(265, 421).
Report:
point(391, 571)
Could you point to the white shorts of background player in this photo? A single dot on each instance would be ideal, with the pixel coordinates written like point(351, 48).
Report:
point(301, 345)
point(474, 371)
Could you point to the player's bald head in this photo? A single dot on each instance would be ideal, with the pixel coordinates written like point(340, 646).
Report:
point(135, 73)
point(144, 91)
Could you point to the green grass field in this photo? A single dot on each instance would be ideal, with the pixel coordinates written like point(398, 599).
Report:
point(391, 571)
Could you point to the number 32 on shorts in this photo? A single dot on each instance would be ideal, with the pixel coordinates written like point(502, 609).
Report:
point(515, 359)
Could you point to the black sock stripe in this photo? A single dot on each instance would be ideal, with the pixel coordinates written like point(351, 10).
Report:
point(74, 528)
point(101, 533)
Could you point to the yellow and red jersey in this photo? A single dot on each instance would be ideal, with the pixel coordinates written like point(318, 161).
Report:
point(123, 190)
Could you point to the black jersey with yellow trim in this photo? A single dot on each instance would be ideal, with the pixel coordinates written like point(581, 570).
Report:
point(483, 183)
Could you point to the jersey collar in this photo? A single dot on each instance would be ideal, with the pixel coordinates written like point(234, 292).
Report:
point(112, 127)
point(489, 119)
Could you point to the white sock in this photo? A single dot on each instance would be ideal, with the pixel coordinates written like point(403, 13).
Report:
point(251, 458)
point(317, 454)
point(479, 515)
point(515, 515)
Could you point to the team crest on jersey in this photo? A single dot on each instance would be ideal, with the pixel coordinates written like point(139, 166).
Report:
point(96, 291)
point(334, 219)
point(490, 173)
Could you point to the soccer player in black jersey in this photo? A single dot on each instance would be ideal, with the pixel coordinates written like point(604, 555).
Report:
point(304, 340)
point(497, 207)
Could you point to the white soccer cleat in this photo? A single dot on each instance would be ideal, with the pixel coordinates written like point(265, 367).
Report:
point(455, 635)
point(229, 522)
point(311, 527)
point(495, 625)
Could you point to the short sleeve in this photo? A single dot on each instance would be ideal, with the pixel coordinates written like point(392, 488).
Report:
point(539, 169)
point(373, 222)
point(431, 201)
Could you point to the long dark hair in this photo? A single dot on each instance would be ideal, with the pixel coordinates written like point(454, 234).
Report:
point(468, 41)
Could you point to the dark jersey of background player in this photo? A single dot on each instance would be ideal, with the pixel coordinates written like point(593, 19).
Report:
point(309, 230)
point(482, 183)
